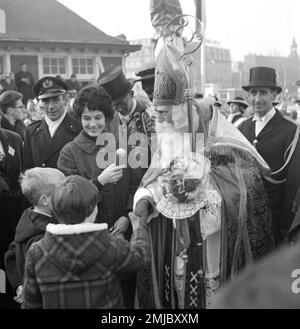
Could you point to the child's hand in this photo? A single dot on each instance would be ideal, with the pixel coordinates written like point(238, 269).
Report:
point(111, 174)
point(120, 226)
point(19, 295)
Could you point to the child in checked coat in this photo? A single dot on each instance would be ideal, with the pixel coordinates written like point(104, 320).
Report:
point(78, 264)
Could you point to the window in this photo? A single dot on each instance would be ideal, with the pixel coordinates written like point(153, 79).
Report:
point(53, 65)
point(83, 65)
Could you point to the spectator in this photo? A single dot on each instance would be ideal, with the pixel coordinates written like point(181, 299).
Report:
point(12, 110)
point(73, 84)
point(7, 83)
point(10, 203)
point(78, 264)
point(38, 185)
point(44, 139)
point(237, 108)
point(24, 83)
point(274, 137)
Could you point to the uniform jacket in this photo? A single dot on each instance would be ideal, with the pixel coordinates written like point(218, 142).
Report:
point(40, 150)
point(31, 228)
point(79, 158)
point(83, 270)
point(272, 144)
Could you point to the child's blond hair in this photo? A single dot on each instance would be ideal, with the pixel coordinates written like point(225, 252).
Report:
point(38, 181)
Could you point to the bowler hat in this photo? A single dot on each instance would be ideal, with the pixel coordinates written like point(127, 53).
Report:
point(49, 87)
point(240, 101)
point(116, 84)
point(262, 77)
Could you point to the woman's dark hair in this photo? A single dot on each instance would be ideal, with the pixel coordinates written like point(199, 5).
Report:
point(95, 98)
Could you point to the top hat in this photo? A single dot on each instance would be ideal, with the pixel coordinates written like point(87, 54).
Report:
point(49, 87)
point(116, 84)
point(240, 101)
point(262, 77)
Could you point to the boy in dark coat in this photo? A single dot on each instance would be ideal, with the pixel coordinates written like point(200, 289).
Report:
point(37, 185)
point(78, 264)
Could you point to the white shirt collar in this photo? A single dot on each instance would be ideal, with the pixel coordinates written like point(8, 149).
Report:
point(53, 125)
point(265, 118)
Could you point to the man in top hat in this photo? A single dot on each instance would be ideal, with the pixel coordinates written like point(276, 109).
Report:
point(129, 110)
point(45, 138)
point(146, 75)
point(275, 138)
point(132, 116)
point(237, 109)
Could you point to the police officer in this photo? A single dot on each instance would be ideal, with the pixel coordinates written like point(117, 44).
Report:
point(45, 138)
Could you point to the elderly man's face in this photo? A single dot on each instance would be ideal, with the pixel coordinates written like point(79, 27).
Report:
point(261, 99)
point(175, 119)
point(54, 107)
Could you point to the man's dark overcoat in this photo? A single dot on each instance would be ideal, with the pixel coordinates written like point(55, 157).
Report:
point(272, 144)
point(40, 150)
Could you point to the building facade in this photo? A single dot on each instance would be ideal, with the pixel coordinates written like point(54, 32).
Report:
point(287, 68)
point(52, 40)
point(217, 63)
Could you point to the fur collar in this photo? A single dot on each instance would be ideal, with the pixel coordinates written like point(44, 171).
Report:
point(63, 229)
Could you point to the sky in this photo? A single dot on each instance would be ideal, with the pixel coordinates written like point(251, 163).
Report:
point(244, 26)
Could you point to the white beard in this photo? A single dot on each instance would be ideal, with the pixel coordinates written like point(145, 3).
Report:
point(171, 144)
point(164, 127)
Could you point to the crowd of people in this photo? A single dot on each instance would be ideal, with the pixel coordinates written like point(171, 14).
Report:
point(105, 204)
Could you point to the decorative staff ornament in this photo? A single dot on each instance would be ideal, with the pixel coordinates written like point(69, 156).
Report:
point(191, 31)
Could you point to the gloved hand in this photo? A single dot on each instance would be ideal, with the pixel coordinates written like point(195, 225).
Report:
point(142, 209)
